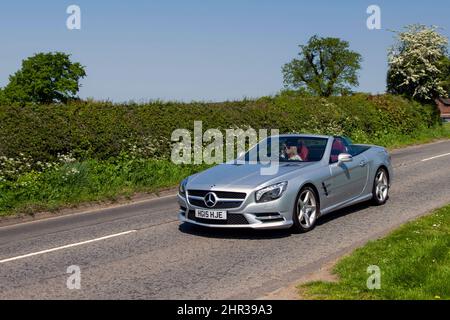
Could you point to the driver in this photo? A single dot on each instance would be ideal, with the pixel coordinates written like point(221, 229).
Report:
point(291, 152)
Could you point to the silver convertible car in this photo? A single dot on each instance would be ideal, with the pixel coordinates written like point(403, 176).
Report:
point(316, 175)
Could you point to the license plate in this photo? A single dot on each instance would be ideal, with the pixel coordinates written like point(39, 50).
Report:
point(211, 214)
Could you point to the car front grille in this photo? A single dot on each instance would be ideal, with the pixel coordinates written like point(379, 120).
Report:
point(220, 194)
point(219, 204)
point(225, 199)
point(232, 219)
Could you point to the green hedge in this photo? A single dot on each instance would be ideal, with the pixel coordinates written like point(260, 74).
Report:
point(101, 130)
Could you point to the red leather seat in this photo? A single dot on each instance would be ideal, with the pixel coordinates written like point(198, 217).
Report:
point(336, 149)
point(304, 152)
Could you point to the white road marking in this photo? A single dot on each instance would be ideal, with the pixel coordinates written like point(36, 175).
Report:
point(67, 246)
point(435, 157)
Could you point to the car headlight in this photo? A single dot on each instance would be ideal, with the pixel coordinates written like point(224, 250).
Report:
point(182, 187)
point(271, 193)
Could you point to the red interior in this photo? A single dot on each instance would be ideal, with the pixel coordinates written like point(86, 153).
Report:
point(304, 152)
point(337, 148)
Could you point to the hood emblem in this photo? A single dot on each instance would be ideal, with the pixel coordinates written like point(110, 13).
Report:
point(210, 199)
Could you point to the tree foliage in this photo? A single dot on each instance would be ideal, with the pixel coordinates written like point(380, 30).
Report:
point(325, 67)
point(445, 83)
point(417, 63)
point(2, 97)
point(45, 78)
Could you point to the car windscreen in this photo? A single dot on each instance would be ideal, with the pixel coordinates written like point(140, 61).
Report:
point(291, 149)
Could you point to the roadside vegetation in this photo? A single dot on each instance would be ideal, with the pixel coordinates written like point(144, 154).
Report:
point(419, 64)
point(97, 130)
point(60, 156)
point(414, 262)
point(57, 150)
point(71, 182)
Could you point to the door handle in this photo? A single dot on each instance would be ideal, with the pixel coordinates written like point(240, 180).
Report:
point(362, 163)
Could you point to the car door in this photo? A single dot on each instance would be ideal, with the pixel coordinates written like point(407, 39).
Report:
point(347, 180)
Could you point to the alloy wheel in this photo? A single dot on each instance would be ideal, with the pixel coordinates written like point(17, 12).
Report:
point(381, 186)
point(307, 209)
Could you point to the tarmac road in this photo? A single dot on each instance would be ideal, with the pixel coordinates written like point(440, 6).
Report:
point(141, 251)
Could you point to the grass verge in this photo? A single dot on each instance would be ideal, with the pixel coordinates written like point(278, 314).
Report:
point(88, 181)
point(420, 136)
point(414, 261)
point(98, 180)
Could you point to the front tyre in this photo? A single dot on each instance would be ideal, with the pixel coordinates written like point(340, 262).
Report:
point(306, 211)
point(380, 191)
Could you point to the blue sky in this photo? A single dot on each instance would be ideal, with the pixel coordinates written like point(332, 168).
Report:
point(200, 50)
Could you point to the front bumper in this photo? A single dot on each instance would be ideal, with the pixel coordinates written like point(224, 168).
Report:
point(258, 216)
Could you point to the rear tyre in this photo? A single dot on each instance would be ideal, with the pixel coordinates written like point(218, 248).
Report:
point(380, 191)
point(306, 210)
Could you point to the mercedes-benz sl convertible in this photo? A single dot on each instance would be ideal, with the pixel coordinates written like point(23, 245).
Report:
point(316, 175)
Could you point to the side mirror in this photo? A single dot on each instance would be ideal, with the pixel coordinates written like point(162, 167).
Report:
point(241, 155)
point(345, 157)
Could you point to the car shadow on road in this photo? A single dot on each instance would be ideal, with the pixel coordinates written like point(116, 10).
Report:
point(243, 234)
point(343, 212)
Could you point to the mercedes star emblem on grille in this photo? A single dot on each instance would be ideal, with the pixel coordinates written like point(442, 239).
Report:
point(210, 199)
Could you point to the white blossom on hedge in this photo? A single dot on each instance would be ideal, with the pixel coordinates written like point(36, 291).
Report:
point(414, 62)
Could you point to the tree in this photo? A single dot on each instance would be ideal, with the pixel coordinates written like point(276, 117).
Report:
point(416, 63)
point(2, 97)
point(326, 67)
point(445, 79)
point(45, 78)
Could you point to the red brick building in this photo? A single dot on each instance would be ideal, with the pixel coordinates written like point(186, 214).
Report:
point(444, 106)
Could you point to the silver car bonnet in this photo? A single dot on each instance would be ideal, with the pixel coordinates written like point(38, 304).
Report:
point(239, 175)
